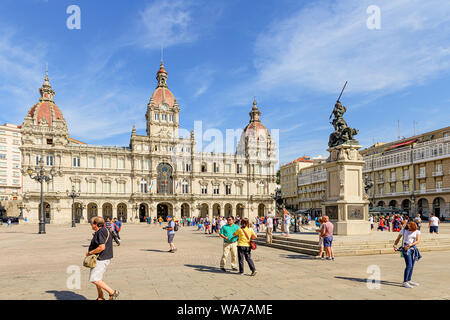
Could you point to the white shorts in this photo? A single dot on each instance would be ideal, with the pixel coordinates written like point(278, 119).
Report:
point(97, 272)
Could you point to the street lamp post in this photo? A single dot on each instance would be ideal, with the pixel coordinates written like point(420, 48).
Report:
point(41, 176)
point(73, 194)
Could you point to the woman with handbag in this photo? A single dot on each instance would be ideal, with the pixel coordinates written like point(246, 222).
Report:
point(99, 257)
point(409, 251)
point(245, 246)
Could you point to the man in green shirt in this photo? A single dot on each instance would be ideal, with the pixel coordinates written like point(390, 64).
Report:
point(229, 243)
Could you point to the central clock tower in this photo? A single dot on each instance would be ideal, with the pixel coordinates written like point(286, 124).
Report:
point(162, 111)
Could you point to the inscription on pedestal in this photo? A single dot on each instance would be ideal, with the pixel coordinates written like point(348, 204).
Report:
point(355, 212)
point(331, 212)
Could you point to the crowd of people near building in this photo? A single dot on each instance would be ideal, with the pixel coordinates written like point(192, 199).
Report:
point(397, 222)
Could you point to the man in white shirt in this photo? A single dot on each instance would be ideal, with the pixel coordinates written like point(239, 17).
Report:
point(269, 228)
point(434, 223)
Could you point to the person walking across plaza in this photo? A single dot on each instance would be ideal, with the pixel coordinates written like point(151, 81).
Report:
point(118, 225)
point(326, 232)
point(170, 233)
point(110, 226)
point(287, 222)
point(245, 235)
point(418, 221)
point(434, 223)
point(229, 244)
point(101, 244)
point(269, 228)
point(371, 222)
point(9, 223)
point(409, 251)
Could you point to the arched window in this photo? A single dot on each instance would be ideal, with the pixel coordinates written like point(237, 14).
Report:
point(144, 186)
point(165, 179)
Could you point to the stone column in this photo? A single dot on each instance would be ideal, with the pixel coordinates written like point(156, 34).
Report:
point(346, 203)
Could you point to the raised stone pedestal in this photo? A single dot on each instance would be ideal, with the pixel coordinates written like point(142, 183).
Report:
point(344, 201)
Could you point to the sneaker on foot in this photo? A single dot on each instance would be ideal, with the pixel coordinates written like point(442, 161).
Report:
point(234, 269)
point(241, 273)
point(328, 258)
point(413, 283)
point(254, 273)
point(223, 269)
point(406, 285)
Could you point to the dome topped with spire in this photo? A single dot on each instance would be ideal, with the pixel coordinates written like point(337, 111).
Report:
point(162, 94)
point(255, 127)
point(45, 112)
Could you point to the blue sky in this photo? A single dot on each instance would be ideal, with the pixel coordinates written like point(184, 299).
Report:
point(294, 56)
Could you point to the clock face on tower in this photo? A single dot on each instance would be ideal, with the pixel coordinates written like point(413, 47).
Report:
point(163, 107)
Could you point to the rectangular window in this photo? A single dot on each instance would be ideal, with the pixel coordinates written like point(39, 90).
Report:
point(16, 182)
point(16, 158)
point(228, 189)
point(257, 169)
point(106, 187)
point(91, 162)
point(171, 118)
point(239, 190)
point(92, 187)
point(2, 181)
point(2, 172)
point(216, 167)
point(3, 165)
point(121, 163)
point(121, 187)
point(423, 187)
point(77, 186)
point(49, 160)
point(76, 161)
point(188, 167)
point(16, 142)
point(139, 164)
point(16, 174)
point(438, 185)
point(164, 117)
point(239, 168)
point(216, 190)
point(204, 189)
point(146, 164)
point(228, 168)
point(106, 163)
point(3, 148)
point(156, 116)
point(438, 167)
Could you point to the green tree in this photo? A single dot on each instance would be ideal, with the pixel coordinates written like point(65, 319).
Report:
point(278, 176)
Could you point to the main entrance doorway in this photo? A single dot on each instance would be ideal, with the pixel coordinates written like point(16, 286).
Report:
point(162, 211)
point(143, 209)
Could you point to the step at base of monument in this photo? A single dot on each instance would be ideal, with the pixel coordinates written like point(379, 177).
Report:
point(347, 249)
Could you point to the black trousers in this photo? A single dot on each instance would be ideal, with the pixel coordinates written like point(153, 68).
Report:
point(114, 235)
point(245, 253)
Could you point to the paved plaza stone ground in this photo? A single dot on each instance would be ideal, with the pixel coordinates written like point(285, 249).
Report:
point(34, 266)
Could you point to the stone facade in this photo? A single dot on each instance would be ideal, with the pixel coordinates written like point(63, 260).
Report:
point(156, 175)
point(412, 174)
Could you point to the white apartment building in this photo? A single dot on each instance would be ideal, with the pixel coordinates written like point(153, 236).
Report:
point(10, 162)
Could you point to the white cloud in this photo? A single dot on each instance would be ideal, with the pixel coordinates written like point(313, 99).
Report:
point(166, 23)
point(322, 45)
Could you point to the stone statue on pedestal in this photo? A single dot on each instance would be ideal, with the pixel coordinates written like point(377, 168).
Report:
point(342, 133)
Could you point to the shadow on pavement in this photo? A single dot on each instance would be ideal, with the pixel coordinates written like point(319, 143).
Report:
point(298, 256)
point(154, 250)
point(66, 295)
point(387, 283)
point(204, 268)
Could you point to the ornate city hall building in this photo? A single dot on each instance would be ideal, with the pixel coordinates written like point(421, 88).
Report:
point(156, 175)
